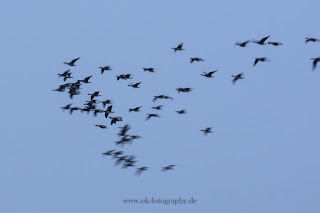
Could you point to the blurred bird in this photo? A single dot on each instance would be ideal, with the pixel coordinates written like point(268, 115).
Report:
point(275, 43)
point(136, 85)
point(263, 59)
point(262, 41)
point(237, 77)
point(95, 94)
point(150, 69)
point(178, 48)
point(108, 111)
point(104, 103)
point(140, 170)
point(114, 120)
point(137, 109)
point(106, 68)
point(158, 107)
point(86, 80)
point(161, 97)
point(108, 153)
point(311, 40)
point(209, 74)
point(101, 126)
point(184, 89)
point(152, 115)
point(180, 112)
point(195, 59)
point(243, 44)
point(166, 168)
point(206, 130)
point(71, 63)
point(66, 107)
point(314, 63)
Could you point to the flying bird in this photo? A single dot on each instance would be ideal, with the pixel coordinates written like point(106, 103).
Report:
point(108, 153)
point(263, 59)
point(150, 69)
point(262, 41)
point(195, 59)
point(95, 94)
point(114, 120)
point(243, 44)
point(184, 89)
point(86, 80)
point(206, 130)
point(275, 43)
point(161, 97)
point(314, 63)
point(108, 111)
point(166, 168)
point(104, 103)
point(66, 107)
point(137, 109)
point(106, 68)
point(311, 40)
point(178, 48)
point(158, 107)
point(209, 74)
point(152, 115)
point(140, 170)
point(237, 77)
point(136, 85)
point(71, 63)
point(180, 112)
point(101, 126)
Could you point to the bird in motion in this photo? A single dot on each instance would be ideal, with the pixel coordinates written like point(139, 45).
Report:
point(86, 80)
point(158, 107)
point(101, 126)
point(161, 97)
point(141, 169)
point(314, 63)
point(136, 85)
point(124, 76)
point(262, 59)
point(181, 112)
point(114, 120)
point(106, 68)
point(206, 130)
point(108, 153)
point(237, 77)
point(95, 94)
point(311, 40)
point(71, 63)
point(195, 59)
point(152, 115)
point(150, 69)
point(243, 44)
point(66, 107)
point(178, 48)
point(262, 41)
point(137, 109)
point(104, 103)
point(108, 111)
point(209, 74)
point(275, 43)
point(167, 168)
point(187, 89)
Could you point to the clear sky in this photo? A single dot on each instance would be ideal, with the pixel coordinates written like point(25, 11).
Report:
point(262, 157)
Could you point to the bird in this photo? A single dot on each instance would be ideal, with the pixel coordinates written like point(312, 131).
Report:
point(314, 63)
point(275, 43)
point(66, 107)
point(71, 109)
point(152, 115)
point(243, 44)
point(123, 76)
point(311, 40)
point(137, 109)
point(195, 59)
point(262, 41)
point(166, 168)
point(209, 74)
point(263, 59)
point(105, 68)
point(86, 80)
point(64, 74)
point(101, 126)
point(178, 48)
point(136, 85)
point(158, 107)
point(141, 169)
point(180, 112)
point(108, 111)
point(184, 89)
point(108, 153)
point(115, 119)
point(95, 94)
point(150, 69)
point(206, 130)
point(124, 130)
point(161, 97)
point(104, 103)
point(237, 77)
point(71, 63)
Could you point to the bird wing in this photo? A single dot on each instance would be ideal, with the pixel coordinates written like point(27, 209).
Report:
point(264, 39)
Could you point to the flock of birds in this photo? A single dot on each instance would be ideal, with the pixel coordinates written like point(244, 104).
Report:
point(125, 138)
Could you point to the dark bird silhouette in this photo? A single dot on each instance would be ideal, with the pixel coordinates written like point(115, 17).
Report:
point(275, 43)
point(106, 68)
point(101, 126)
point(124, 130)
point(117, 153)
point(66, 107)
point(140, 170)
point(195, 59)
point(108, 153)
point(262, 41)
point(263, 59)
point(71, 109)
point(95, 94)
point(71, 63)
point(108, 111)
point(136, 85)
point(86, 80)
point(237, 77)
point(152, 115)
point(161, 97)
point(178, 48)
point(114, 120)
point(133, 137)
point(184, 89)
point(65, 73)
point(166, 168)
point(150, 69)
point(96, 111)
point(123, 76)
point(209, 74)
point(120, 159)
point(158, 107)
point(104, 103)
point(137, 109)
point(314, 63)
point(243, 44)
point(181, 112)
point(206, 130)
point(311, 40)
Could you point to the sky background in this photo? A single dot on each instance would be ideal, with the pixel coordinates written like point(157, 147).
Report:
point(262, 157)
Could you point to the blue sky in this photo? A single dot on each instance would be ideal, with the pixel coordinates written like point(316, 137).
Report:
point(262, 157)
